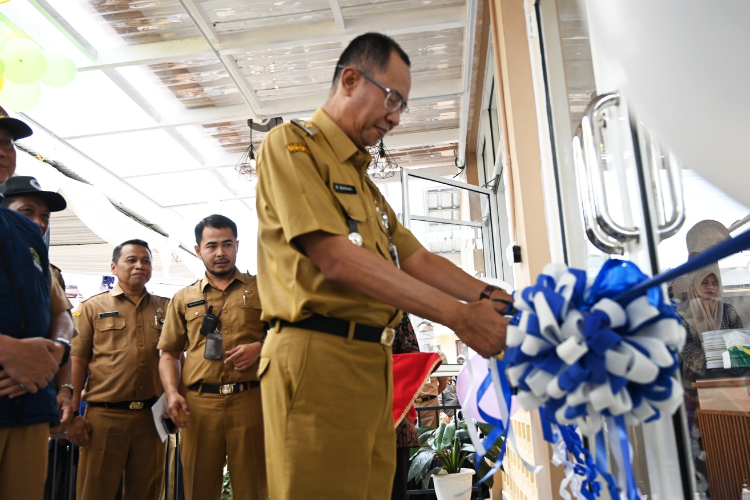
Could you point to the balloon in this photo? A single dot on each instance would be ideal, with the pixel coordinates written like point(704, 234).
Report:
point(2, 65)
point(2, 82)
point(24, 61)
point(20, 97)
point(61, 70)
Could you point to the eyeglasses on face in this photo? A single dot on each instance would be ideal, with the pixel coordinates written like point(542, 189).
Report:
point(393, 99)
point(7, 144)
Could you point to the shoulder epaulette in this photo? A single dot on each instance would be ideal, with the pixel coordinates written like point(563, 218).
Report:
point(299, 123)
point(95, 295)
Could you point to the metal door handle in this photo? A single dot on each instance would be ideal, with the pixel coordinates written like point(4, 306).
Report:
point(670, 227)
point(593, 141)
point(594, 233)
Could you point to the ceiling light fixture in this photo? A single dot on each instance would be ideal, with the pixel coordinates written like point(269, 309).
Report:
point(383, 165)
point(246, 167)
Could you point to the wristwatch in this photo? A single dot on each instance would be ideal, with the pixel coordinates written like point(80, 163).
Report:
point(488, 291)
point(66, 354)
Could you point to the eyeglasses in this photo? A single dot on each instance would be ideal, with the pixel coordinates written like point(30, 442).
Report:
point(393, 100)
point(7, 144)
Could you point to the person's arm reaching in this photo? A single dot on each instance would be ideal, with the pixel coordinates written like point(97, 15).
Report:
point(169, 371)
point(476, 323)
point(79, 429)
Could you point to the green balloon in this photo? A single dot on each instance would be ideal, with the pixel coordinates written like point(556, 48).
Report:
point(61, 70)
point(2, 65)
point(20, 98)
point(24, 61)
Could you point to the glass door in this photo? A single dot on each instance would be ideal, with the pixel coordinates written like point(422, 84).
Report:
point(456, 221)
point(607, 204)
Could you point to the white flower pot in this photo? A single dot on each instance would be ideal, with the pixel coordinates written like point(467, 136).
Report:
point(453, 486)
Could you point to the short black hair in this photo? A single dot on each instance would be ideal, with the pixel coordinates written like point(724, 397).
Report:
point(118, 249)
point(424, 322)
point(217, 222)
point(369, 52)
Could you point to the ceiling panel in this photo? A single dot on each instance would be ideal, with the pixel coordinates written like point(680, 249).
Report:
point(292, 71)
point(427, 156)
point(363, 8)
point(140, 21)
point(231, 16)
point(181, 188)
point(232, 136)
point(123, 154)
point(429, 115)
point(434, 55)
point(67, 229)
point(92, 103)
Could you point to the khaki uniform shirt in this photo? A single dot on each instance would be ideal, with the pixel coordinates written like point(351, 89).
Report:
point(123, 360)
point(311, 183)
point(58, 300)
point(239, 323)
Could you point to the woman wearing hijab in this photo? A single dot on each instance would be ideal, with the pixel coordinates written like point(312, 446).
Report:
point(704, 311)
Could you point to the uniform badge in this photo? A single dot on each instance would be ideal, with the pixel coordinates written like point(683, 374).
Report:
point(37, 259)
point(196, 303)
point(110, 314)
point(298, 148)
point(344, 188)
point(76, 314)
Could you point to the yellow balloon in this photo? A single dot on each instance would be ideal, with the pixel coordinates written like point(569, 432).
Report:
point(24, 61)
point(2, 82)
point(20, 98)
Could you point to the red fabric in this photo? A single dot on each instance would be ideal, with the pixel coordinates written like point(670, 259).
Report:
point(409, 373)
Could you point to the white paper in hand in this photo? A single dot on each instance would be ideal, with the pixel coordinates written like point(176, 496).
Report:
point(158, 411)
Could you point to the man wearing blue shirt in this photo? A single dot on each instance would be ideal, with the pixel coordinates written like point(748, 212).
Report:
point(30, 315)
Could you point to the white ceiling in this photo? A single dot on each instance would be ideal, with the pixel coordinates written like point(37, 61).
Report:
point(157, 115)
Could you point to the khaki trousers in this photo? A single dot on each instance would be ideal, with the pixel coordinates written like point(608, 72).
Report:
point(327, 411)
point(224, 430)
point(430, 418)
point(23, 461)
point(121, 441)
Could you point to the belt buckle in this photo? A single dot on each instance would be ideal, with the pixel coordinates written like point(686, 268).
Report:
point(418, 400)
point(136, 405)
point(386, 338)
point(226, 389)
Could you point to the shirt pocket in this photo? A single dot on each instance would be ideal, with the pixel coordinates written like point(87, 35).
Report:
point(110, 334)
point(351, 205)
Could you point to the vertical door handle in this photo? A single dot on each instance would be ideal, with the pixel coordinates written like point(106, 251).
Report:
point(592, 125)
point(593, 232)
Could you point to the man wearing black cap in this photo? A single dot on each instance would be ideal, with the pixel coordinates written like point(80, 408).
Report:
point(24, 195)
point(31, 313)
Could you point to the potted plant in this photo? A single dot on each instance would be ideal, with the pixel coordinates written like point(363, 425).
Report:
point(443, 453)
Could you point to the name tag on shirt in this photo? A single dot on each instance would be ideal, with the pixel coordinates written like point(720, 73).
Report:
point(344, 188)
point(110, 314)
point(196, 303)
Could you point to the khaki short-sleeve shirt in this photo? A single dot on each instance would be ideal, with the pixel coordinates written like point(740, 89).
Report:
point(118, 337)
point(315, 182)
point(239, 323)
point(58, 300)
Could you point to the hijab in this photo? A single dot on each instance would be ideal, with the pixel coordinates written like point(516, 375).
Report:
point(704, 314)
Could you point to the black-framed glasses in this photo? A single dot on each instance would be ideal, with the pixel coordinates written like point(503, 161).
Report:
point(393, 99)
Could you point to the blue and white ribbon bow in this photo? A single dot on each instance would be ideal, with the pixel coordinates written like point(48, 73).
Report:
point(584, 359)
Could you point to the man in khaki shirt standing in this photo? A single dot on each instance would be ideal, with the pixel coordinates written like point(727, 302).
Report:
point(327, 245)
point(118, 333)
point(217, 321)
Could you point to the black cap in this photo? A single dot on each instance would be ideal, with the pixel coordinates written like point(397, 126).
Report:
point(21, 185)
point(17, 128)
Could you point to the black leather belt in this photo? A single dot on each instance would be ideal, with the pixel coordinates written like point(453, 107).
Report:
point(423, 399)
point(340, 327)
point(126, 405)
point(224, 389)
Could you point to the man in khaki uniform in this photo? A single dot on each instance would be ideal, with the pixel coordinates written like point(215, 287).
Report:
point(217, 320)
point(118, 333)
point(327, 245)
